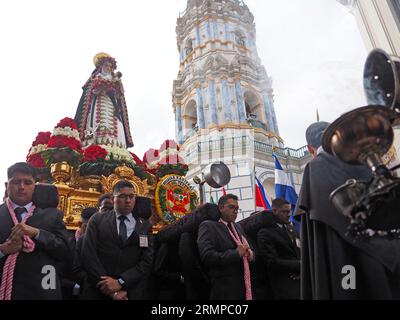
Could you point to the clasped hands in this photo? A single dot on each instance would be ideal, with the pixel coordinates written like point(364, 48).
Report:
point(14, 242)
point(243, 250)
point(111, 287)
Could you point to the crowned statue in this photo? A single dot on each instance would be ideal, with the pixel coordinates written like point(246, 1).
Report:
point(102, 115)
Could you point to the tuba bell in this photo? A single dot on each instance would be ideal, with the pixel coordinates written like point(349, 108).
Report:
point(382, 81)
point(364, 136)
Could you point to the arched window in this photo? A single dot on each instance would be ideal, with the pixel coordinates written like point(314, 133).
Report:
point(240, 39)
point(188, 46)
point(254, 110)
point(190, 125)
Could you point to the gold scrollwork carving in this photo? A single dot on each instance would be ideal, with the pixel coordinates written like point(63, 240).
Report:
point(75, 208)
point(125, 173)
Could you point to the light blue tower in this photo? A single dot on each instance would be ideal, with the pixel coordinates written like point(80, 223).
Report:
point(223, 97)
point(221, 80)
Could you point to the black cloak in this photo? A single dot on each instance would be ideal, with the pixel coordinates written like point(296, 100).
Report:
point(326, 248)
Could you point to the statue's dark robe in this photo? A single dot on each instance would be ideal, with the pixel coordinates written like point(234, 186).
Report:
point(87, 104)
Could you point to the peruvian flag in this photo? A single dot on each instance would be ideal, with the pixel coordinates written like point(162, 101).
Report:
point(261, 199)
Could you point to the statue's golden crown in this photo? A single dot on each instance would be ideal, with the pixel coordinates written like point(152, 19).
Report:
point(102, 57)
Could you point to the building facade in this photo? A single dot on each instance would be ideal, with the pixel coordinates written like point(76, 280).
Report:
point(223, 101)
point(379, 23)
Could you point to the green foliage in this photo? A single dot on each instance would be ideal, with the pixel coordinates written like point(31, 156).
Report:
point(178, 169)
point(54, 155)
point(107, 167)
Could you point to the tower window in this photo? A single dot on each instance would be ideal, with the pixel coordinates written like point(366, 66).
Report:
point(249, 113)
point(240, 39)
point(189, 46)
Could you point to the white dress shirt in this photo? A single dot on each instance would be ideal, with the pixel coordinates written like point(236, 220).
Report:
point(130, 223)
point(27, 207)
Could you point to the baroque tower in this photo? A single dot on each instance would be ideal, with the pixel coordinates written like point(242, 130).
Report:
point(223, 97)
point(221, 81)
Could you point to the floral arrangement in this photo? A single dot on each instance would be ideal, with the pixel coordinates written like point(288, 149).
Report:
point(165, 161)
point(169, 153)
point(103, 160)
point(118, 154)
point(34, 156)
point(100, 84)
point(137, 159)
point(94, 153)
point(150, 160)
point(64, 144)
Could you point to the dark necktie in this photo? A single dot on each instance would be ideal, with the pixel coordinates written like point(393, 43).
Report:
point(230, 226)
point(123, 233)
point(18, 213)
point(290, 233)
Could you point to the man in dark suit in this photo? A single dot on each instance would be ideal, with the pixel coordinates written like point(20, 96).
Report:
point(117, 251)
point(226, 253)
point(259, 278)
point(185, 232)
point(278, 250)
point(75, 274)
point(36, 238)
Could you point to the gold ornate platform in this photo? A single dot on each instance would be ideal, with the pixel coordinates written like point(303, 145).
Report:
point(80, 192)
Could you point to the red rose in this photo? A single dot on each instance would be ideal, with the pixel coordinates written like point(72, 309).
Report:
point(94, 153)
point(62, 142)
point(36, 161)
point(67, 122)
point(41, 138)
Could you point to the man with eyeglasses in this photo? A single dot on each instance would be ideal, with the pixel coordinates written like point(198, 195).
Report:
point(226, 253)
point(117, 251)
point(33, 241)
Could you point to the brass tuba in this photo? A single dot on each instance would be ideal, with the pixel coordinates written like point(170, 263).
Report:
point(363, 136)
point(382, 80)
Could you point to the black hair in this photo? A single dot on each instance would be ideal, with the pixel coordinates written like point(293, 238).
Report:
point(88, 212)
point(279, 203)
point(104, 196)
point(224, 199)
point(45, 196)
point(121, 184)
point(21, 167)
point(142, 208)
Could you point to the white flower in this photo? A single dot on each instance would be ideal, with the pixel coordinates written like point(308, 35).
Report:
point(153, 164)
point(163, 155)
point(118, 154)
point(38, 149)
point(168, 152)
point(67, 131)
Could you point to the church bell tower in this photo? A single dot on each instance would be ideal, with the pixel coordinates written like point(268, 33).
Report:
point(221, 81)
point(223, 97)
